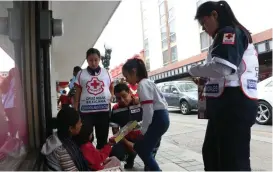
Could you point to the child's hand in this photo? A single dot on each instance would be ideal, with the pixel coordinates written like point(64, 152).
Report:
point(112, 141)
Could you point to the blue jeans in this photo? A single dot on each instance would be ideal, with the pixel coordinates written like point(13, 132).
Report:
point(145, 147)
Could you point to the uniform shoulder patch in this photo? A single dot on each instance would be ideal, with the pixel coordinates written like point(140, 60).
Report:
point(229, 38)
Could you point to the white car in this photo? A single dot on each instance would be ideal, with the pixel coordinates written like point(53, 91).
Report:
point(265, 101)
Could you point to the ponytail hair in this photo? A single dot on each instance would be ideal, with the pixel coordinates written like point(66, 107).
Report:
point(226, 16)
point(138, 64)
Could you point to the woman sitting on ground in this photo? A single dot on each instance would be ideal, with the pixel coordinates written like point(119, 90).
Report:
point(62, 153)
point(97, 159)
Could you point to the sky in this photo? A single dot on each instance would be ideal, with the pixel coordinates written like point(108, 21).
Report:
point(6, 62)
point(123, 33)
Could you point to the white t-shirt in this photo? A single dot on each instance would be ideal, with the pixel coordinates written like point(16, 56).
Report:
point(151, 99)
point(95, 95)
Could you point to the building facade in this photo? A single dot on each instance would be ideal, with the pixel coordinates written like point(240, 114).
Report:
point(173, 40)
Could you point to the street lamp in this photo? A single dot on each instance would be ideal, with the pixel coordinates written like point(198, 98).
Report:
point(107, 56)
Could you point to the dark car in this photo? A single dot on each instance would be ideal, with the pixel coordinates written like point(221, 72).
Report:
point(180, 94)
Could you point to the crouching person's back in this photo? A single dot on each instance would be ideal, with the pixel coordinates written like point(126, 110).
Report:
point(61, 152)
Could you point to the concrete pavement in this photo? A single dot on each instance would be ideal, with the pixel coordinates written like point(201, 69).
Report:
point(181, 145)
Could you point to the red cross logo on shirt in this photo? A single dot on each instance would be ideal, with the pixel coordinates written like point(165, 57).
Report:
point(229, 38)
point(229, 35)
point(95, 86)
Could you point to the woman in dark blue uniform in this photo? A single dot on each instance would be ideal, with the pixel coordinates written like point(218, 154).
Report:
point(231, 89)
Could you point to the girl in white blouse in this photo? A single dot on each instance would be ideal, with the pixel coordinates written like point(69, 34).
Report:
point(155, 115)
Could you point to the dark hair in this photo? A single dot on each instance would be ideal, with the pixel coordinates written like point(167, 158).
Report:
point(83, 136)
point(137, 64)
point(77, 69)
point(92, 51)
point(226, 16)
point(67, 117)
point(64, 91)
point(121, 87)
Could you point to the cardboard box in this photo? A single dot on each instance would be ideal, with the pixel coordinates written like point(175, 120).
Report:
point(130, 126)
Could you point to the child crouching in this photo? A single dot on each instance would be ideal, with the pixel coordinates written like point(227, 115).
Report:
point(97, 159)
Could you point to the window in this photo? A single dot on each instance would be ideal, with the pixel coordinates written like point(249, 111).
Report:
point(14, 130)
point(176, 71)
point(146, 44)
point(169, 73)
point(261, 47)
point(172, 72)
point(185, 69)
point(171, 14)
point(173, 88)
point(147, 64)
point(165, 89)
point(146, 53)
point(164, 44)
point(206, 41)
point(145, 24)
point(163, 20)
point(146, 48)
point(159, 1)
point(181, 70)
point(145, 34)
point(172, 31)
point(174, 53)
point(163, 32)
point(162, 9)
point(270, 44)
point(165, 74)
point(181, 87)
point(189, 66)
point(165, 57)
point(190, 87)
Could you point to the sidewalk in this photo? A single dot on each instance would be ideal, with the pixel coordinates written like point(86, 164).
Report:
point(172, 158)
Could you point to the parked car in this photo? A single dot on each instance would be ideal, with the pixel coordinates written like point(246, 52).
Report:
point(180, 94)
point(265, 100)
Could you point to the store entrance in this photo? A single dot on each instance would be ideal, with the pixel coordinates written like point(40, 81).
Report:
point(25, 106)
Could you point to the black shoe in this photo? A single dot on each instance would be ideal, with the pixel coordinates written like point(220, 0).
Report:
point(146, 168)
point(129, 165)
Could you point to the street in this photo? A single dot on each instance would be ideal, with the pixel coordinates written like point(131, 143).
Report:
point(187, 132)
point(181, 146)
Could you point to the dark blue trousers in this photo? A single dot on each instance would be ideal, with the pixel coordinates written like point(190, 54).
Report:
point(151, 138)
